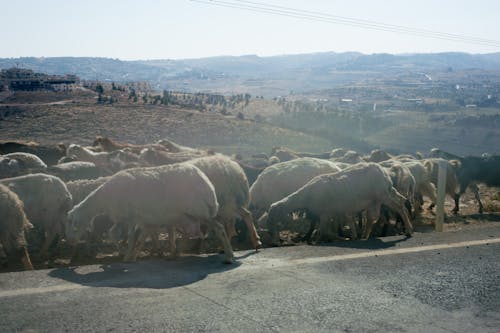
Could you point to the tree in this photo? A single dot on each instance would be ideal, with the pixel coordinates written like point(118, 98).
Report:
point(99, 89)
point(164, 98)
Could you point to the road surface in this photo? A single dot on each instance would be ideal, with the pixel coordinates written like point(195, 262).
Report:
point(432, 282)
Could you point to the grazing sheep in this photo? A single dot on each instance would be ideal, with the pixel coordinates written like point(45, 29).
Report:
point(350, 157)
point(9, 167)
point(452, 186)
point(100, 159)
point(178, 196)
point(404, 182)
point(13, 224)
point(78, 170)
point(49, 154)
point(124, 159)
point(289, 154)
point(365, 186)
point(423, 184)
point(338, 152)
point(28, 161)
point(105, 144)
point(17, 164)
point(407, 158)
point(251, 172)
point(231, 188)
point(80, 189)
point(378, 155)
point(154, 157)
point(46, 201)
point(281, 179)
point(284, 154)
point(173, 147)
point(473, 170)
point(438, 153)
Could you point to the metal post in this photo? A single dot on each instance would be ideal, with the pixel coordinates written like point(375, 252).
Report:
point(441, 186)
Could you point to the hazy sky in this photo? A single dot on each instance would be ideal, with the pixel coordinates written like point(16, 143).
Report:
point(172, 29)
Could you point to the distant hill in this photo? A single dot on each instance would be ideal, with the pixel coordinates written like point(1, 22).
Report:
point(265, 75)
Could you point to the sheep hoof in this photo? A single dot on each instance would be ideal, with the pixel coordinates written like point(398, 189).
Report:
point(227, 261)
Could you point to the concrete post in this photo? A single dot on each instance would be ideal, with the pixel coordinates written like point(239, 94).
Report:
point(441, 186)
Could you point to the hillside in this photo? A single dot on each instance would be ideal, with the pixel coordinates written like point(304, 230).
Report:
point(80, 120)
point(269, 76)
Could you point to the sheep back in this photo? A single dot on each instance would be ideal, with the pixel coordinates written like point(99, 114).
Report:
point(46, 198)
point(281, 179)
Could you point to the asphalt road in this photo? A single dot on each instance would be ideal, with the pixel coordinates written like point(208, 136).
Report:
point(432, 282)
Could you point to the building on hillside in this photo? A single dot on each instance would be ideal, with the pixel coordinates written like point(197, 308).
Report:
point(21, 79)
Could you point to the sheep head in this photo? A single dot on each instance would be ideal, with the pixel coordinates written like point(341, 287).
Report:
point(76, 226)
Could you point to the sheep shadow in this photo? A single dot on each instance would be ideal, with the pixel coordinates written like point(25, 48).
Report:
point(491, 217)
point(153, 274)
point(369, 244)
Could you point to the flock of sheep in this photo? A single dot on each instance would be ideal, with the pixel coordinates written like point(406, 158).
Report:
point(128, 193)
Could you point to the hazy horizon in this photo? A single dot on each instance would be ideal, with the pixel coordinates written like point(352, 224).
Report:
point(251, 55)
point(182, 29)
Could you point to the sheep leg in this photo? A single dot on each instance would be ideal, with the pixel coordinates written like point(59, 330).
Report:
point(248, 219)
point(429, 190)
point(418, 200)
point(25, 259)
point(456, 197)
point(154, 234)
point(372, 215)
point(221, 234)
point(352, 227)
point(262, 221)
point(475, 190)
point(171, 242)
point(230, 229)
point(324, 228)
point(359, 226)
point(133, 235)
point(312, 226)
point(396, 202)
point(326, 225)
point(49, 239)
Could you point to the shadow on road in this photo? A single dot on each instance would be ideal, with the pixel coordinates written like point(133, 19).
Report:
point(492, 217)
point(155, 274)
point(369, 244)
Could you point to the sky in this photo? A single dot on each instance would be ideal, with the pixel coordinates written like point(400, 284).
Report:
point(177, 29)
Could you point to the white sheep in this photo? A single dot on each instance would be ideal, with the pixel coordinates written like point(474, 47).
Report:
point(9, 167)
point(452, 187)
point(279, 180)
point(77, 170)
point(231, 188)
point(28, 161)
point(365, 186)
point(16, 164)
point(178, 196)
point(46, 202)
point(13, 224)
point(423, 184)
point(81, 188)
point(156, 157)
point(87, 155)
point(350, 157)
point(177, 148)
